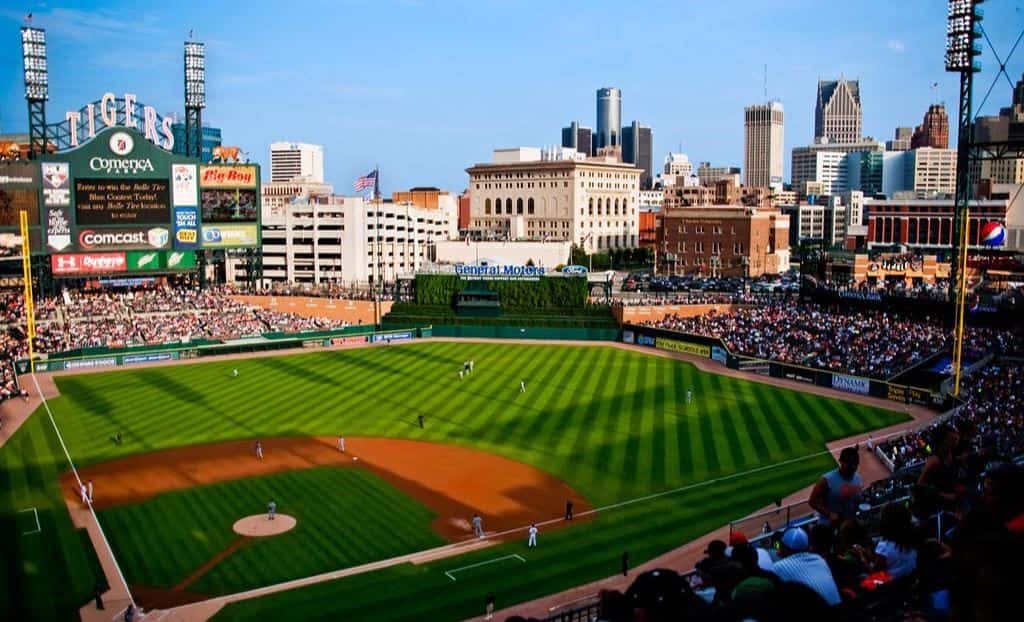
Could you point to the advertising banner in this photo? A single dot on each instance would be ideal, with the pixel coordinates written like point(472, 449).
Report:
point(627, 336)
point(777, 370)
point(56, 184)
point(919, 396)
point(392, 337)
point(341, 341)
point(58, 228)
point(122, 201)
point(851, 384)
point(180, 260)
point(145, 261)
point(11, 243)
point(896, 393)
point(719, 354)
point(108, 361)
point(185, 186)
point(227, 236)
point(186, 227)
point(132, 359)
point(214, 176)
point(673, 345)
point(645, 340)
point(88, 263)
point(121, 238)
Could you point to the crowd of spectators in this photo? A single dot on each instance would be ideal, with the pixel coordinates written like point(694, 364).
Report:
point(693, 298)
point(876, 344)
point(321, 290)
point(990, 421)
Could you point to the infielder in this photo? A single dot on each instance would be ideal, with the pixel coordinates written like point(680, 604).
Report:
point(89, 486)
point(478, 525)
point(85, 495)
point(532, 540)
point(341, 444)
point(271, 510)
point(259, 450)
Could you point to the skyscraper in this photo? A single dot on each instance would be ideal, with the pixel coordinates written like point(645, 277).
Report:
point(609, 117)
point(837, 117)
point(762, 144)
point(289, 161)
point(901, 139)
point(934, 130)
point(638, 150)
point(579, 138)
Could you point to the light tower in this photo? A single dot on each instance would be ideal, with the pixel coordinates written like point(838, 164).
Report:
point(961, 50)
point(37, 87)
point(195, 97)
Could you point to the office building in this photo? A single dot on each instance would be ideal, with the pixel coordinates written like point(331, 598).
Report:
point(314, 236)
point(931, 171)
point(823, 221)
point(864, 171)
point(828, 168)
point(762, 144)
point(638, 150)
point(296, 161)
point(934, 130)
point(210, 138)
point(723, 240)
point(579, 138)
point(901, 139)
point(837, 116)
point(1009, 123)
point(592, 202)
point(708, 175)
point(678, 165)
point(609, 118)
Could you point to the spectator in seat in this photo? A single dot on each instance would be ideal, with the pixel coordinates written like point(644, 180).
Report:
point(937, 484)
point(837, 494)
point(800, 565)
point(897, 548)
point(852, 559)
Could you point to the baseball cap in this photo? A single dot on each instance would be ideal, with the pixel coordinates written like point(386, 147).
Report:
point(737, 538)
point(795, 539)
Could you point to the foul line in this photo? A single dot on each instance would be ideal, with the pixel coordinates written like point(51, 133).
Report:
point(38, 526)
point(490, 561)
point(74, 470)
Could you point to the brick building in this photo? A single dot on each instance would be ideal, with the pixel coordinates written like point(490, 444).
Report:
point(723, 240)
point(934, 131)
point(925, 224)
point(721, 192)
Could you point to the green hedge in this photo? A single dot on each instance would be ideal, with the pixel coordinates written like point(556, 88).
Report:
point(591, 316)
point(546, 293)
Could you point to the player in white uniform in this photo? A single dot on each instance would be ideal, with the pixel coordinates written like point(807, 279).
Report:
point(522, 386)
point(234, 372)
point(532, 540)
point(341, 444)
point(259, 450)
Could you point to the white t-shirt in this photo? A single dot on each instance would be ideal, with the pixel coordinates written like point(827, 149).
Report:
point(899, 562)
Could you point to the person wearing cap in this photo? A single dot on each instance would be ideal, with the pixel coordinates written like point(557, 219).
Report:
point(764, 558)
point(800, 565)
point(837, 494)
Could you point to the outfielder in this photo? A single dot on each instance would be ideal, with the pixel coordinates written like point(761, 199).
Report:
point(532, 540)
point(234, 372)
point(522, 386)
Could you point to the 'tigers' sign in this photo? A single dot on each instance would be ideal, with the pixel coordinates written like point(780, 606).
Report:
point(111, 111)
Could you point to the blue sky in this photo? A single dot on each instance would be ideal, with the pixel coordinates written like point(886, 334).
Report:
point(425, 89)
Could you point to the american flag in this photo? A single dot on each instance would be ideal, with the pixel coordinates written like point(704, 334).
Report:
point(366, 181)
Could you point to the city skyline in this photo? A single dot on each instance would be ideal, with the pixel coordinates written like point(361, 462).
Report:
point(424, 107)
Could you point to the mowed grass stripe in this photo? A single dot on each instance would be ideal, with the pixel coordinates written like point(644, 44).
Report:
point(684, 442)
point(638, 463)
point(704, 407)
point(658, 447)
point(728, 415)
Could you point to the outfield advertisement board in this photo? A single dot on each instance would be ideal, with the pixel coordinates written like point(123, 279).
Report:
point(674, 345)
point(122, 201)
point(186, 227)
point(88, 263)
point(404, 336)
point(627, 336)
point(122, 238)
point(230, 236)
point(229, 206)
point(19, 190)
point(851, 384)
point(153, 357)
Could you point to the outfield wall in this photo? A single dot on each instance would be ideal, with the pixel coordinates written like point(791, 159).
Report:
point(351, 311)
point(524, 332)
point(715, 349)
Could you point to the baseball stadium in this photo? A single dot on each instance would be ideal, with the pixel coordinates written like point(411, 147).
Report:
point(182, 440)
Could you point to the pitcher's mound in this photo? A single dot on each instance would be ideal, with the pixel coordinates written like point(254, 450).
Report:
point(258, 526)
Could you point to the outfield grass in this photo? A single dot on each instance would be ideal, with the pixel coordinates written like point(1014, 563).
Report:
point(162, 541)
point(612, 423)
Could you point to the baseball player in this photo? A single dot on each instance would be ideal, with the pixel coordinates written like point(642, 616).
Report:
point(420, 420)
point(271, 510)
point(532, 540)
point(234, 372)
point(89, 486)
point(341, 444)
point(460, 374)
point(689, 396)
point(478, 525)
point(471, 362)
point(522, 386)
point(85, 494)
point(259, 450)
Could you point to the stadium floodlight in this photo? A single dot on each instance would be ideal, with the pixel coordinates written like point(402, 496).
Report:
point(961, 34)
point(33, 55)
point(195, 75)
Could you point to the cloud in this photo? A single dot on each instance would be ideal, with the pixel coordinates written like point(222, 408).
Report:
point(896, 45)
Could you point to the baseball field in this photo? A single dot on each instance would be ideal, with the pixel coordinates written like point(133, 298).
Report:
point(609, 428)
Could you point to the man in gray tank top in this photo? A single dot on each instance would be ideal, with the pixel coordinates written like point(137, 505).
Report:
point(837, 494)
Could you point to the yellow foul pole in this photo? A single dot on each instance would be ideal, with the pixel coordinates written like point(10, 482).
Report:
point(26, 271)
point(961, 301)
